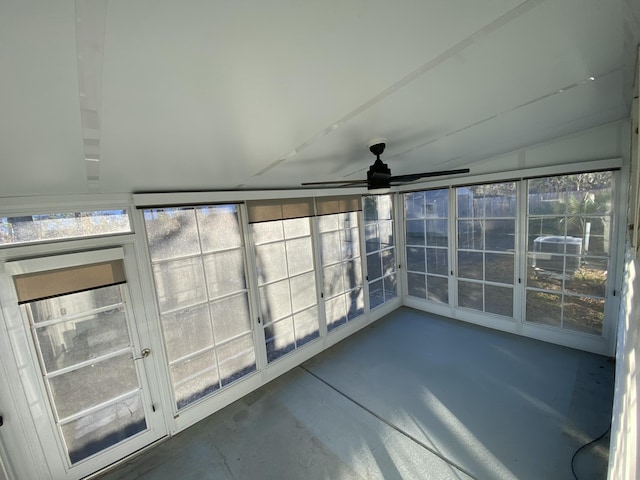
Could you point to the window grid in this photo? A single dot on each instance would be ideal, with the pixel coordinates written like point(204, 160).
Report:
point(380, 249)
point(341, 257)
point(567, 252)
point(295, 325)
point(427, 232)
point(486, 219)
point(193, 279)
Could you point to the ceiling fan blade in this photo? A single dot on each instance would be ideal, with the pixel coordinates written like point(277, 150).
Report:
point(417, 176)
point(337, 182)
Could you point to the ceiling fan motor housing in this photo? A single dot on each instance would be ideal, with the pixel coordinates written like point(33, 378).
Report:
point(379, 174)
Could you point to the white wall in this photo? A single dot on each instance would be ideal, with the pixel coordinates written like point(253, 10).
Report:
point(625, 447)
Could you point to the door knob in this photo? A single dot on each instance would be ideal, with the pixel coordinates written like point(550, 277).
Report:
point(144, 353)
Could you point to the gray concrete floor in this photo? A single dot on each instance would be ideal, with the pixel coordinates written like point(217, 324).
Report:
point(412, 396)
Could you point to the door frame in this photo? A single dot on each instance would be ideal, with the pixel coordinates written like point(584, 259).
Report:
point(31, 402)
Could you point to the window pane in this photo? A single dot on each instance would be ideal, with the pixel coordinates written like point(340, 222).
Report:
point(417, 286)
point(470, 265)
point(355, 303)
point(374, 265)
point(271, 262)
point(470, 295)
point(336, 310)
point(171, 233)
point(499, 268)
point(350, 243)
point(583, 314)
point(390, 287)
point(371, 236)
point(236, 359)
point(437, 234)
point(547, 196)
point(280, 338)
point(498, 300)
point(303, 291)
point(296, 227)
point(385, 230)
point(179, 283)
point(437, 261)
point(333, 280)
point(275, 300)
point(470, 234)
point(416, 233)
point(500, 235)
point(376, 293)
point(590, 278)
point(92, 385)
point(219, 227)
point(352, 274)
point(57, 226)
point(69, 343)
point(544, 279)
point(388, 261)
point(225, 273)
point(195, 378)
point(306, 326)
point(104, 428)
point(331, 248)
point(438, 289)
point(230, 317)
point(265, 232)
point(299, 255)
point(187, 331)
point(541, 229)
point(416, 260)
point(544, 308)
point(327, 223)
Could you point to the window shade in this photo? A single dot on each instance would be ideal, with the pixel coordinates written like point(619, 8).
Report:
point(338, 204)
point(281, 209)
point(63, 281)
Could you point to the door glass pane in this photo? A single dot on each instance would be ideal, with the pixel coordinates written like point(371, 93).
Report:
point(171, 233)
point(225, 272)
point(76, 341)
point(280, 338)
point(499, 267)
point(84, 342)
point(230, 317)
point(104, 428)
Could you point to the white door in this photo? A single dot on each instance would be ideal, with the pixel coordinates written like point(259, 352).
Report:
point(79, 310)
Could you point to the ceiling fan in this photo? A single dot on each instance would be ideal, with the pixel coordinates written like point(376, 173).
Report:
point(379, 174)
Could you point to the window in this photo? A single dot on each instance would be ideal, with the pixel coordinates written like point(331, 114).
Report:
point(427, 239)
point(486, 224)
point(341, 267)
point(59, 226)
point(198, 262)
point(569, 223)
point(286, 284)
point(380, 249)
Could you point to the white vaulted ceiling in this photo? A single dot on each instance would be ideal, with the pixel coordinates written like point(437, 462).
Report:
point(208, 95)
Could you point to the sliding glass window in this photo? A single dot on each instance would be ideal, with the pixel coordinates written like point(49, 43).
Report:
point(486, 221)
point(286, 283)
point(341, 267)
point(427, 240)
point(380, 249)
point(568, 254)
point(198, 262)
